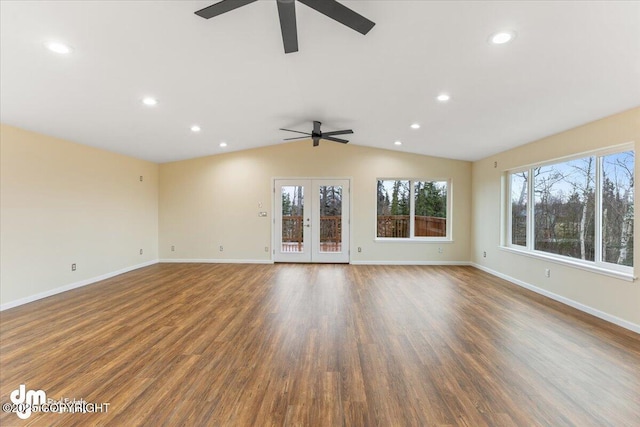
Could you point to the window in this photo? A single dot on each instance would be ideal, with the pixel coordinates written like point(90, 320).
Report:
point(519, 198)
point(430, 206)
point(393, 208)
point(617, 208)
point(564, 210)
point(408, 209)
point(580, 209)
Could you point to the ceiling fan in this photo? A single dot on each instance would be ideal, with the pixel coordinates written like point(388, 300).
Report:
point(316, 134)
point(287, 13)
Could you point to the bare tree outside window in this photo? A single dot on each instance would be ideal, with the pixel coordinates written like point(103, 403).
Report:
point(564, 208)
point(617, 208)
point(519, 197)
point(569, 199)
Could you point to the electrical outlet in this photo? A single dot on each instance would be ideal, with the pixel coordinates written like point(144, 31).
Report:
point(141, 178)
point(140, 251)
point(484, 254)
point(359, 249)
point(266, 248)
point(547, 272)
point(440, 250)
point(221, 248)
point(73, 267)
point(173, 248)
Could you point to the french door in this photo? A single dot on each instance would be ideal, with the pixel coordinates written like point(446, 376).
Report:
point(312, 220)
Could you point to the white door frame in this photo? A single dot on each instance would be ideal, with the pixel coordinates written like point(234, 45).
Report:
point(313, 254)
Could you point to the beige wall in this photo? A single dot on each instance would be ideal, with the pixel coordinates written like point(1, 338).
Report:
point(64, 203)
point(213, 201)
point(613, 296)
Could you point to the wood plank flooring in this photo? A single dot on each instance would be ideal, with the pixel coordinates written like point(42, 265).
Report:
point(318, 345)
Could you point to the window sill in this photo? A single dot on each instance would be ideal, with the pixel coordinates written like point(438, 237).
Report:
point(629, 277)
point(412, 240)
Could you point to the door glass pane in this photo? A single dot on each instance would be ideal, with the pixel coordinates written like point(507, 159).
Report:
point(292, 218)
point(330, 218)
point(430, 199)
point(617, 208)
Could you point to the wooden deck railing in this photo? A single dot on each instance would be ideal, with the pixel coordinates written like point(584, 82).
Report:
point(393, 226)
point(388, 226)
point(330, 229)
point(398, 226)
point(292, 229)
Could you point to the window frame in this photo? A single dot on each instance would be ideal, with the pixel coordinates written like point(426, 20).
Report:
point(529, 225)
point(598, 265)
point(412, 237)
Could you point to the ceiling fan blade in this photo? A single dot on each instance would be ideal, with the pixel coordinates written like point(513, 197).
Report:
point(316, 141)
point(296, 131)
point(222, 7)
point(316, 127)
point(287, 13)
point(337, 132)
point(297, 137)
point(330, 138)
point(342, 14)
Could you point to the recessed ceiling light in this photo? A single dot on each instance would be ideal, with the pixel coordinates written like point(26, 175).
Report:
point(397, 143)
point(502, 37)
point(195, 128)
point(149, 101)
point(223, 144)
point(443, 97)
point(58, 47)
point(415, 126)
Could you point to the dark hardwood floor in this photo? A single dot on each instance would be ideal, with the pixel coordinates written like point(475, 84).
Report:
point(318, 345)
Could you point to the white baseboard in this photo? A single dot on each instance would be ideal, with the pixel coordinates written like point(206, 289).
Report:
point(590, 310)
point(217, 261)
point(410, 262)
point(74, 285)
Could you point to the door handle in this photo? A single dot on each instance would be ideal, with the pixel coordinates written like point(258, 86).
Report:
point(308, 225)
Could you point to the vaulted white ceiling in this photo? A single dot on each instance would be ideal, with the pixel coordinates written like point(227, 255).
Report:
point(570, 63)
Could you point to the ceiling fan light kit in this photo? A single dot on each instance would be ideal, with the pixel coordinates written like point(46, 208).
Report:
point(287, 15)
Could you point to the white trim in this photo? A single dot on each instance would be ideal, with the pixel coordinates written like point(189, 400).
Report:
point(598, 190)
point(558, 259)
point(373, 262)
point(215, 261)
point(579, 306)
point(74, 285)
